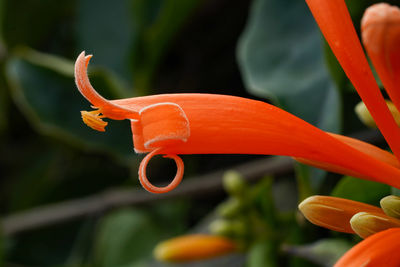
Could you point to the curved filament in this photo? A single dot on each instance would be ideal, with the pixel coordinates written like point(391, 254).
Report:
point(144, 181)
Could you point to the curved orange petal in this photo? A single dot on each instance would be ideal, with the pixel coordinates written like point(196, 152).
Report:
point(371, 150)
point(106, 107)
point(381, 249)
point(336, 25)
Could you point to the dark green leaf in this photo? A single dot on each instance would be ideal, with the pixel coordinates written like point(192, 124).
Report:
point(107, 31)
point(125, 237)
point(395, 191)
point(263, 254)
point(361, 190)
point(3, 107)
point(281, 58)
point(131, 34)
point(157, 23)
point(43, 88)
point(36, 23)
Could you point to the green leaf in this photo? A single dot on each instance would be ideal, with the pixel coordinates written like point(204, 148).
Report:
point(281, 57)
point(263, 254)
point(125, 237)
point(35, 23)
point(43, 88)
point(131, 35)
point(2, 252)
point(395, 191)
point(4, 99)
point(324, 252)
point(106, 30)
point(157, 23)
point(361, 190)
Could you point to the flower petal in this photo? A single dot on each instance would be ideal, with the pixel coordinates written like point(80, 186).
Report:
point(381, 249)
point(154, 189)
point(106, 107)
point(371, 150)
point(335, 23)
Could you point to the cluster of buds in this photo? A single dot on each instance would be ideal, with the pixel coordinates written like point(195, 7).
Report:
point(238, 225)
point(349, 216)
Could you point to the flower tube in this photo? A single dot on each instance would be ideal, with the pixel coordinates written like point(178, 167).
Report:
point(173, 124)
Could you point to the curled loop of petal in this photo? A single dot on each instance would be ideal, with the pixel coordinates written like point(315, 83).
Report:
point(154, 189)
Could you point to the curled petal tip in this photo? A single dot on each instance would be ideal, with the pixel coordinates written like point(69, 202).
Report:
point(158, 190)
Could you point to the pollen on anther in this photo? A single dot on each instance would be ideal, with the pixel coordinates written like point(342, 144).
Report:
point(93, 119)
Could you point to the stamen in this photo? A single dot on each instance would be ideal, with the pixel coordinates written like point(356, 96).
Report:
point(154, 189)
point(93, 119)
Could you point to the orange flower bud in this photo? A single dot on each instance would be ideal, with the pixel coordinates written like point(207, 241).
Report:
point(193, 247)
point(391, 206)
point(380, 28)
point(334, 213)
point(366, 223)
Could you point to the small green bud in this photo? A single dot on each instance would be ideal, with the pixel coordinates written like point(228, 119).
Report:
point(230, 208)
point(227, 228)
point(391, 206)
point(364, 115)
point(234, 183)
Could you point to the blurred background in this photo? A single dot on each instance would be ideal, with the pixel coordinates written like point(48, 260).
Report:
point(69, 196)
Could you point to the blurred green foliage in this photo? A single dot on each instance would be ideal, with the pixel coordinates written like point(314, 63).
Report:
point(271, 49)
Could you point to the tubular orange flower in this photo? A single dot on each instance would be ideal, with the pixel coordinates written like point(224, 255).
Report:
point(174, 124)
point(193, 247)
point(380, 249)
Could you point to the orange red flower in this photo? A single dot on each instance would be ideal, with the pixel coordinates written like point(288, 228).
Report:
point(174, 124)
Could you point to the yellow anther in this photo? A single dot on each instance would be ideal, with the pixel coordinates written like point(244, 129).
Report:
point(93, 119)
